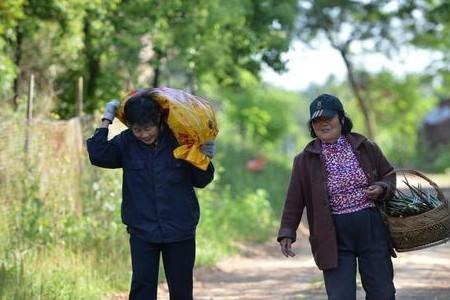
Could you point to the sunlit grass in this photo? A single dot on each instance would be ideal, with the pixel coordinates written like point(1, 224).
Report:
point(50, 249)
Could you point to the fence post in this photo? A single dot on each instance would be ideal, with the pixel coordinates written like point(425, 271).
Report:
point(80, 97)
point(29, 114)
point(78, 204)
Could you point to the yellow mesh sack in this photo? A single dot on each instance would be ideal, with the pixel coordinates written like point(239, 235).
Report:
point(191, 118)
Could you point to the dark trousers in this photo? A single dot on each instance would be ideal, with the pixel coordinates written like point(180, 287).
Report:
point(178, 260)
point(363, 242)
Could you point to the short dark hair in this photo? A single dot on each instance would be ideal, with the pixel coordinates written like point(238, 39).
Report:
point(142, 111)
point(346, 127)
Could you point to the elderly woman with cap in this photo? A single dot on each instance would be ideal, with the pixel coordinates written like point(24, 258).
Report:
point(339, 177)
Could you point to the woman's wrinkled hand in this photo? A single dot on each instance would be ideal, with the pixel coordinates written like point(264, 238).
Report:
point(374, 191)
point(285, 245)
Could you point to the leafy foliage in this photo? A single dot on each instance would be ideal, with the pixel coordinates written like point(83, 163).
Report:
point(428, 27)
point(399, 107)
point(215, 48)
point(118, 44)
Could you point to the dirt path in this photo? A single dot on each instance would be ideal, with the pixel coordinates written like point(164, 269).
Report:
point(262, 273)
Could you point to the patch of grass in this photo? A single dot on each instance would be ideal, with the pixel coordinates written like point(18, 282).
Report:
point(54, 273)
point(233, 174)
point(226, 220)
point(52, 249)
point(47, 251)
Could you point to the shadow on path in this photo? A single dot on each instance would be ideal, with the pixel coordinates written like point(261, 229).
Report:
point(265, 275)
point(262, 273)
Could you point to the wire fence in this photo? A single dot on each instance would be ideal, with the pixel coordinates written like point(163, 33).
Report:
point(53, 152)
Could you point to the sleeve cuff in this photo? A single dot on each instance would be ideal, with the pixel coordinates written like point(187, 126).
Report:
point(101, 130)
point(287, 233)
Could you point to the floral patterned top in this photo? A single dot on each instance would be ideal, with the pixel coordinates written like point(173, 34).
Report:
point(346, 181)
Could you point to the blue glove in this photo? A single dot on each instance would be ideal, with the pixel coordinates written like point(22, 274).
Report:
point(208, 148)
point(110, 110)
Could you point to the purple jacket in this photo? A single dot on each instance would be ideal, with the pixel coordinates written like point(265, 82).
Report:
point(307, 188)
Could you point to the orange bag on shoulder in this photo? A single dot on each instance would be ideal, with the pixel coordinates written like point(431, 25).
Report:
point(191, 118)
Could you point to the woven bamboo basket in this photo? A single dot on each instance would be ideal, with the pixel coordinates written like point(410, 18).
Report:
point(423, 230)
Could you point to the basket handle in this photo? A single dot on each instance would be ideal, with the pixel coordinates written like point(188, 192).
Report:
point(441, 196)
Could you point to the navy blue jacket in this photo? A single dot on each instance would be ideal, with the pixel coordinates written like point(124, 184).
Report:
point(158, 198)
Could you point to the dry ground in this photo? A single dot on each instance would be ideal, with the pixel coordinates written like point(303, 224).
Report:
point(265, 274)
point(261, 273)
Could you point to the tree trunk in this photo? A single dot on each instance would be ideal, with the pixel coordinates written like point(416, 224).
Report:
point(157, 67)
point(191, 82)
point(92, 60)
point(361, 101)
point(93, 64)
point(17, 59)
point(156, 75)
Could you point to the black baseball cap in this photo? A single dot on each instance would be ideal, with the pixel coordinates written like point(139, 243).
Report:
point(325, 105)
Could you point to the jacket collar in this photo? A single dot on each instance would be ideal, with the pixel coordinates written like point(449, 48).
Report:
point(166, 139)
point(355, 140)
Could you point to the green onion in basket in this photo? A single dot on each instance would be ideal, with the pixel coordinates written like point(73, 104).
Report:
point(414, 202)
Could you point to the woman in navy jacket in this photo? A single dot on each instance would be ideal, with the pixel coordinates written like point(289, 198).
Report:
point(159, 204)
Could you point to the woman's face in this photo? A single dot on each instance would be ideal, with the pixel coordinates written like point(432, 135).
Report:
point(146, 134)
point(328, 130)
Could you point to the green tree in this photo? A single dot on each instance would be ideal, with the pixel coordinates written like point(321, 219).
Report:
point(345, 24)
point(10, 13)
point(113, 44)
point(218, 38)
point(43, 38)
point(428, 26)
point(22, 20)
point(401, 106)
point(259, 114)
